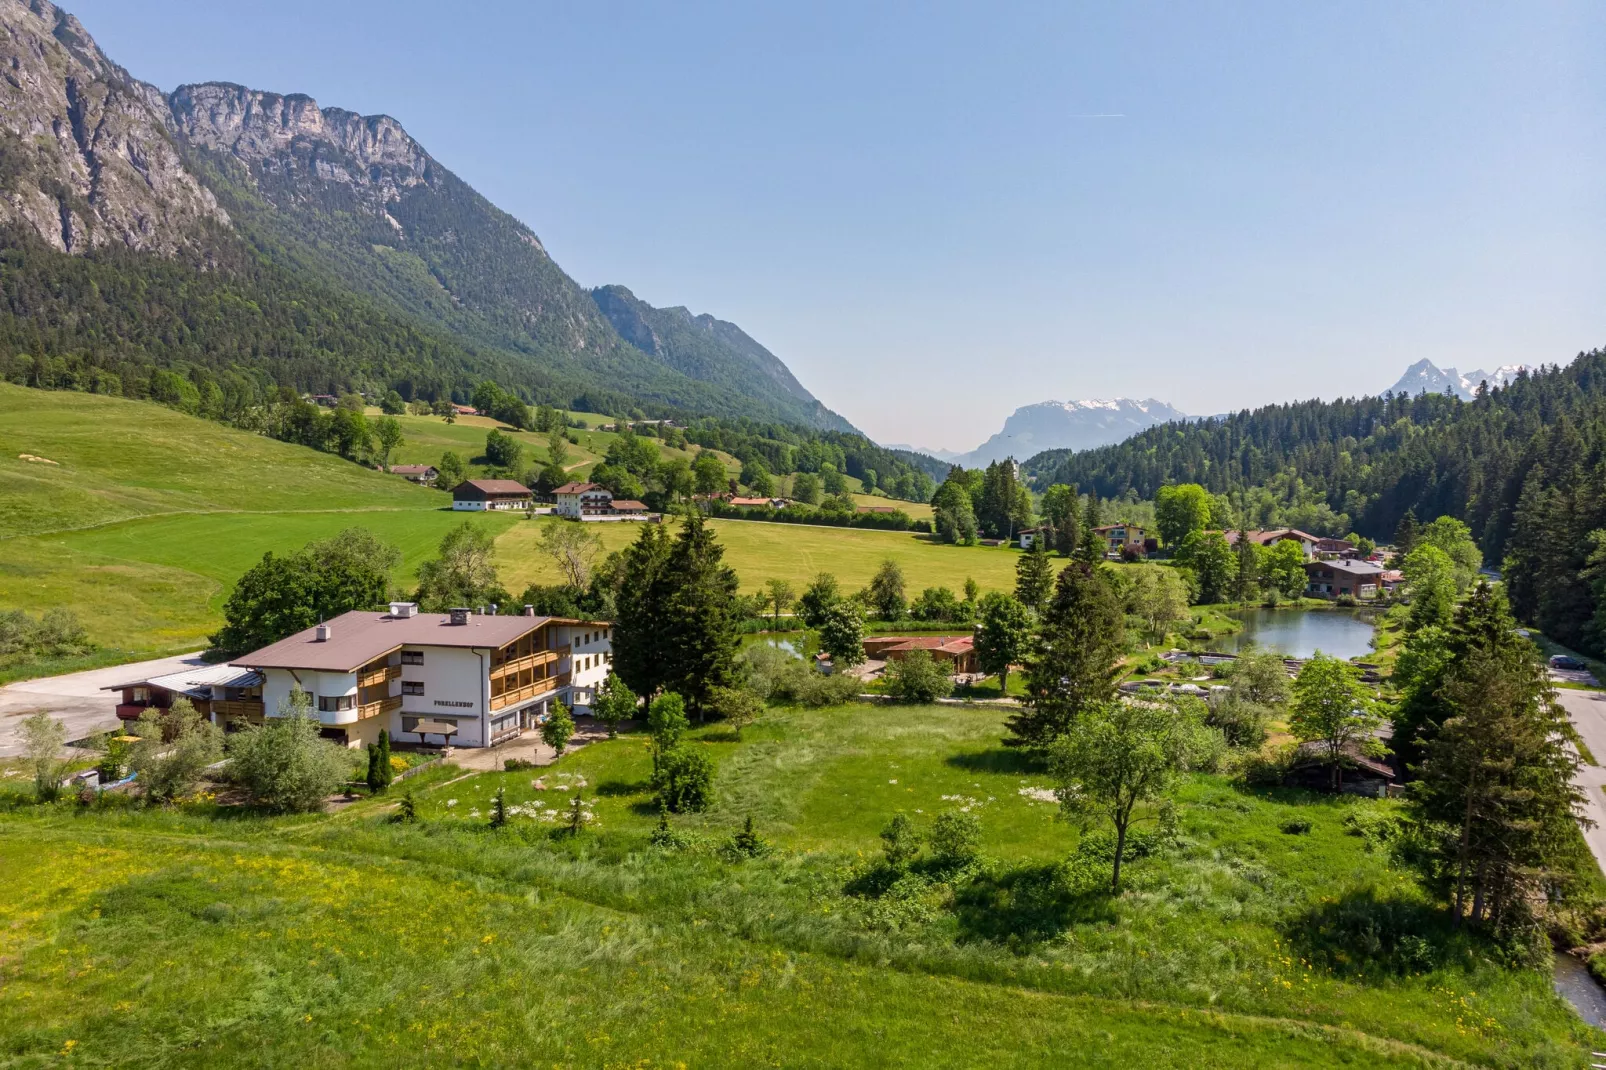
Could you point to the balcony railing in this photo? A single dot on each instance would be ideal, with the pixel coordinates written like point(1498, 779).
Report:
point(383, 674)
point(374, 709)
point(238, 707)
point(529, 661)
point(530, 690)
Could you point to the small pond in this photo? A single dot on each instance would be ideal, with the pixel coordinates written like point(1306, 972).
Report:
point(797, 644)
point(1299, 633)
point(1574, 984)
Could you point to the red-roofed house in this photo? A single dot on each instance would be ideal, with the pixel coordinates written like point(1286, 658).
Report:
point(423, 474)
point(479, 495)
point(957, 651)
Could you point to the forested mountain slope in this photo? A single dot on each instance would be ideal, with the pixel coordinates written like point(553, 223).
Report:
point(1376, 458)
point(271, 195)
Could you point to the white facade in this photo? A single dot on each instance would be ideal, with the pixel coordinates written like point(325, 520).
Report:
point(577, 504)
point(445, 684)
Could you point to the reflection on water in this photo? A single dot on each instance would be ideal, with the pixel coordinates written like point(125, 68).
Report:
point(1574, 984)
point(1299, 633)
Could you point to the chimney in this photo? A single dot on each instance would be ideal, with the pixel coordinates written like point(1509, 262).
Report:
point(460, 616)
point(323, 633)
point(403, 610)
point(529, 610)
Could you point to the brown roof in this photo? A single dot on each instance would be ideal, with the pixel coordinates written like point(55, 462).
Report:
point(627, 505)
point(360, 636)
point(578, 488)
point(490, 487)
point(752, 501)
point(953, 644)
point(412, 469)
point(1358, 569)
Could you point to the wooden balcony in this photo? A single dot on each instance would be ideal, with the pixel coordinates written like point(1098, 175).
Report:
point(382, 675)
point(248, 708)
point(530, 690)
point(529, 661)
point(374, 709)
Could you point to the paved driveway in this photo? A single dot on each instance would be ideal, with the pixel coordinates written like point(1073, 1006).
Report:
point(76, 698)
point(1587, 711)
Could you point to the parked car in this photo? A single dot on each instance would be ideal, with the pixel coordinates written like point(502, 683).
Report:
point(1562, 661)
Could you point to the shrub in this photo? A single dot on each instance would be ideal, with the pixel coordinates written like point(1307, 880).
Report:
point(407, 809)
point(558, 728)
point(174, 749)
point(900, 840)
point(956, 837)
point(737, 707)
point(684, 779)
point(42, 738)
point(665, 836)
point(517, 765)
point(1296, 826)
point(1241, 723)
point(499, 808)
point(745, 844)
point(285, 767)
point(918, 678)
point(1268, 769)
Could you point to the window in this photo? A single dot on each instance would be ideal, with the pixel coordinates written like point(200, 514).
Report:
point(412, 687)
point(335, 703)
point(412, 657)
point(142, 694)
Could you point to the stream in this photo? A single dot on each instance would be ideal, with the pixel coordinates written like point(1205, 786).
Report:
point(1574, 984)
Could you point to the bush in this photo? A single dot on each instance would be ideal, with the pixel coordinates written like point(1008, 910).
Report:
point(285, 767)
point(43, 737)
point(900, 840)
point(956, 837)
point(558, 728)
point(1268, 769)
point(918, 678)
point(684, 779)
point(1296, 826)
point(174, 749)
point(518, 765)
point(1241, 723)
point(745, 844)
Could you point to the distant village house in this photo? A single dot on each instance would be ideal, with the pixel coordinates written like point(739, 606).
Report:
point(422, 474)
point(488, 495)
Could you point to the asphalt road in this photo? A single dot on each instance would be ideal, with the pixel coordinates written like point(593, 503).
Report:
point(76, 698)
point(1587, 711)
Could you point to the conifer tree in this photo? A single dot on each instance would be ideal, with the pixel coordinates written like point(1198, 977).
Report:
point(1073, 664)
point(1497, 771)
point(1034, 576)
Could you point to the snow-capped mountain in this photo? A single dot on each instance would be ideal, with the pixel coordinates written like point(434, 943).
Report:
point(1425, 375)
point(1076, 425)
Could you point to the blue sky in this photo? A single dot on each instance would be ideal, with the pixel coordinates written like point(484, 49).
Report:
point(936, 213)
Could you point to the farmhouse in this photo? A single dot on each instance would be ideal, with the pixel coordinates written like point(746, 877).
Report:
point(957, 652)
point(1330, 579)
point(758, 503)
point(1308, 543)
point(1027, 537)
point(422, 474)
point(218, 692)
point(465, 678)
point(492, 494)
point(592, 501)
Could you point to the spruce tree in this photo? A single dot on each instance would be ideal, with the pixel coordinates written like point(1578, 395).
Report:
point(1034, 576)
point(1074, 662)
point(1497, 772)
point(386, 775)
point(1405, 533)
point(700, 616)
point(640, 627)
point(1089, 544)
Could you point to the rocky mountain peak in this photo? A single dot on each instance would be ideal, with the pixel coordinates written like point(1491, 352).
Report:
point(86, 158)
point(254, 125)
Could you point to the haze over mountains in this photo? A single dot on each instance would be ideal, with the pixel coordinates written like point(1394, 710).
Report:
point(264, 206)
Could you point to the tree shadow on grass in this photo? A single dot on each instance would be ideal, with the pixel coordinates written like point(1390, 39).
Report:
point(1365, 932)
point(1015, 761)
point(615, 788)
point(1027, 906)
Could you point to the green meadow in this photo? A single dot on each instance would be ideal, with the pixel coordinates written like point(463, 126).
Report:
point(350, 939)
point(140, 519)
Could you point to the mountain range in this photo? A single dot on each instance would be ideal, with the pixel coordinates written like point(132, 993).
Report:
point(310, 247)
point(1425, 375)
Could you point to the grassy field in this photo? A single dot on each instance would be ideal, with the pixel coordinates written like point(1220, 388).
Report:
point(117, 459)
point(795, 552)
point(147, 517)
point(354, 941)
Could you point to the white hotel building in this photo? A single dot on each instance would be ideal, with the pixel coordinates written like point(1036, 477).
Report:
point(464, 678)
